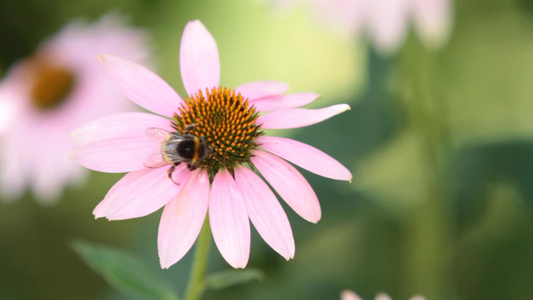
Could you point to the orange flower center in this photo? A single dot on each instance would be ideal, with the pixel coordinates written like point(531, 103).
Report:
point(51, 86)
point(227, 123)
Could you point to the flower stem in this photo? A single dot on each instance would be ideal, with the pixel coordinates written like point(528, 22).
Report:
point(196, 285)
point(430, 227)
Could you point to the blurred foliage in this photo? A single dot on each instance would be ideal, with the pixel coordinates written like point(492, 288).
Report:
point(124, 272)
point(440, 145)
point(225, 279)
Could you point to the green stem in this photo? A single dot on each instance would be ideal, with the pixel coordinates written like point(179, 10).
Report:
point(428, 247)
point(196, 285)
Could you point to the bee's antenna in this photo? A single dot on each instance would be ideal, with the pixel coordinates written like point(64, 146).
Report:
point(188, 128)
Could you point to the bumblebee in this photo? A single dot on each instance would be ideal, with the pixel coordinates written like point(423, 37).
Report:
point(176, 148)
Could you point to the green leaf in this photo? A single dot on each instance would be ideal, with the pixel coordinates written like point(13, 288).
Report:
point(225, 279)
point(478, 169)
point(124, 272)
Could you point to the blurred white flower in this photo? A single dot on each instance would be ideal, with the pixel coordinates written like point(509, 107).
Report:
point(45, 96)
point(386, 22)
point(350, 295)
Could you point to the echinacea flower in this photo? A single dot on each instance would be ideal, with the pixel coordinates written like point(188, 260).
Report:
point(386, 22)
point(230, 123)
point(350, 295)
point(46, 96)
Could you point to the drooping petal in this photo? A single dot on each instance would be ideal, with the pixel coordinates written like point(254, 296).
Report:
point(387, 23)
point(117, 126)
point(305, 156)
point(100, 211)
point(6, 112)
point(50, 174)
point(284, 101)
point(346, 17)
point(265, 212)
point(182, 219)
point(382, 296)
point(199, 62)
point(140, 193)
point(289, 184)
point(433, 21)
point(229, 220)
point(349, 295)
point(259, 89)
point(299, 117)
point(141, 85)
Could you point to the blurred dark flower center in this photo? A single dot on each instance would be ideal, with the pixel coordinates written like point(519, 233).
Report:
point(51, 84)
point(227, 123)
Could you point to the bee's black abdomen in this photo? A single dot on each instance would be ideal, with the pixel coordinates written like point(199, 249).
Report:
point(186, 149)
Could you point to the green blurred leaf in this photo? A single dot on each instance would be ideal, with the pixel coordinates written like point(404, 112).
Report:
point(493, 257)
point(477, 169)
point(124, 272)
point(225, 279)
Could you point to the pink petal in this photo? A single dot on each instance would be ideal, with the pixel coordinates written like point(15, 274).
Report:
point(140, 193)
point(345, 16)
point(284, 101)
point(289, 184)
point(116, 143)
point(100, 211)
point(115, 155)
point(382, 296)
point(229, 220)
point(265, 212)
point(199, 63)
point(141, 85)
point(299, 117)
point(433, 20)
point(117, 126)
point(387, 23)
point(349, 295)
point(7, 109)
point(305, 156)
point(259, 89)
point(182, 219)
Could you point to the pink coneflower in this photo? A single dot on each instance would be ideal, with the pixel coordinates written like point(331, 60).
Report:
point(350, 295)
point(49, 94)
point(229, 124)
point(386, 22)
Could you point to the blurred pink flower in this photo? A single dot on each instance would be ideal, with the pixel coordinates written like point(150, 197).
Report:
point(350, 295)
point(46, 96)
point(388, 20)
point(385, 21)
point(224, 183)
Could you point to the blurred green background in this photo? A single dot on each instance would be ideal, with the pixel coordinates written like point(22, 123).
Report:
point(440, 144)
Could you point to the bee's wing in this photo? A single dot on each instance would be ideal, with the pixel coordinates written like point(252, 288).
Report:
point(157, 135)
point(154, 160)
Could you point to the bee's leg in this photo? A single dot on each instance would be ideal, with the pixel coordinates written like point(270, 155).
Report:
point(191, 167)
point(171, 170)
